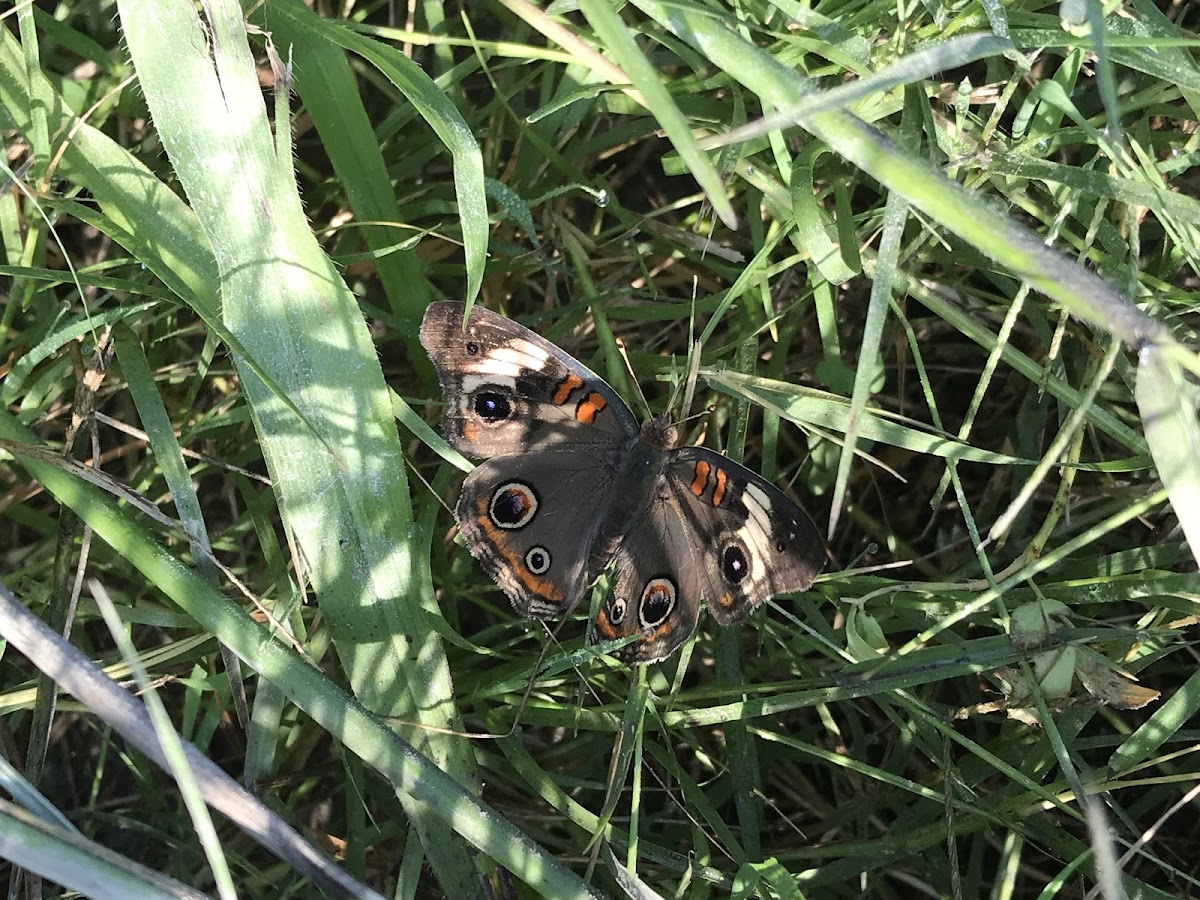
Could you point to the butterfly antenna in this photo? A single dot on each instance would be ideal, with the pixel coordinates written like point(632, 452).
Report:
point(633, 379)
point(707, 411)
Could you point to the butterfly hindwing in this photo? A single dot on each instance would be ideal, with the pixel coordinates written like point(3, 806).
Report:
point(712, 532)
point(531, 521)
point(657, 586)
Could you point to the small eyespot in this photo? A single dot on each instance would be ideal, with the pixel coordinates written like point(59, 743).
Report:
point(780, 546)
point(734, 564)
point(513, 506)
point(537, 560)
point(472, 348)
point(616, 611)
point(658, 599)
point(492, 406)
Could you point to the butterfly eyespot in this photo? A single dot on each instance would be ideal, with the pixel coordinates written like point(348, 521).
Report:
point(513, 506)
point(616, 611)
point(734, 564)
point(658, 599)
point(492, 406)
point(537, 560)
point(780, 546)
point(472, 348)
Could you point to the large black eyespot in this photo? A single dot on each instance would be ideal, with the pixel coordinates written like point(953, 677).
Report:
point(537, 560)
point(513, 506)
point(472, 348)
point(734, 564)
point(658, 599)
point(492, 406)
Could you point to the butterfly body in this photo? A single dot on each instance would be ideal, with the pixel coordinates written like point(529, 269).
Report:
point(571, 485)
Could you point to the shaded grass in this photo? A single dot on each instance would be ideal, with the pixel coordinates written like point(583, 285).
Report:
point(869, 336)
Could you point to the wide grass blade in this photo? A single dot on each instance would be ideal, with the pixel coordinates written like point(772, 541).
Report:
point(341, 485)
point(341, 118)
point(1167, 402)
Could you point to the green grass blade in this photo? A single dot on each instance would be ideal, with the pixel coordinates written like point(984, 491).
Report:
point(79, 864)
point(868, 369)
point(619, 41)
point(342, 491)
point(994, 234)
point(437, 111)
point(818, 409)
point(1176, 713)
point(1167, 403)
point(326, 85)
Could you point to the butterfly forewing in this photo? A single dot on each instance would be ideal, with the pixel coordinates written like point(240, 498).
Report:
point(509, 390)
point(758, 543)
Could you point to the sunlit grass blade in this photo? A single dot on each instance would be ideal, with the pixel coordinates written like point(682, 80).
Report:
point(69, 859)
point(809, 407)
point(1167, 403)
point(348, 509)
point(619, 41)
point(325, 83)
point(994, 234)
point(435, 109)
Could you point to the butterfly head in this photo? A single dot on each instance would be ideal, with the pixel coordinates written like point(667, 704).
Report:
point(659, 433)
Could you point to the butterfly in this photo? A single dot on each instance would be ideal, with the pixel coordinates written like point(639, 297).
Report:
point(570, 484)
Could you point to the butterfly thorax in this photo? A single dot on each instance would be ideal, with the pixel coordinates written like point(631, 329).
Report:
point(659, 433)
point(638, 470)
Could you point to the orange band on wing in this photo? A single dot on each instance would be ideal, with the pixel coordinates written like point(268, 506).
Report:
point(606, 628)
point(719, 490)
point(701, 478)
point(497, 540)
point(588, 407)
point(566, 388)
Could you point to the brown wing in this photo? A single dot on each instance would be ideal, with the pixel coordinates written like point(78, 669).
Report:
point(532, 520)
point(757, 543)
point(509, 390)
point(658, 585)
